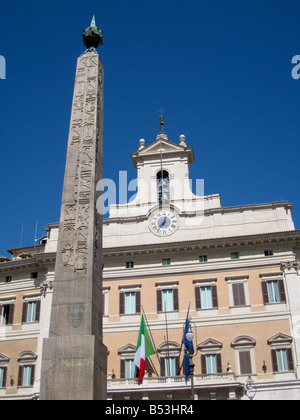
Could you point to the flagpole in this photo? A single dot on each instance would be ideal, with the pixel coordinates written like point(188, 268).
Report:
point(168, 341)
point(153, 367)
point(183, 338)
point(148, 326)
point(181, 349)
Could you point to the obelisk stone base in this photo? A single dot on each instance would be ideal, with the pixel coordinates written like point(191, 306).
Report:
point(80, 359)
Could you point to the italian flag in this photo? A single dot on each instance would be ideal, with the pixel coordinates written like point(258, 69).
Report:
point(144, 349)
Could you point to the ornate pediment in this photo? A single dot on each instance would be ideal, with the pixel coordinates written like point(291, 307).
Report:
point(280, 338)
point(168, 345)
point(27, 356)
point(3, 359)
point(162, 145)
point(127, 349)
point(242, 341)
point(210, 344)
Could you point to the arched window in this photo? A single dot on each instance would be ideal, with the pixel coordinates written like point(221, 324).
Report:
point(163, 187)
point(27, 360)
point(244, 354)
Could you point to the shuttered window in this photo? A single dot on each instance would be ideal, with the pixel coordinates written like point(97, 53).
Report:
point(167, 300)
point(282, 360)
point(211, 364)
point(26, 375)
point(206, 297)
point(169, 366)
point(130, 303)
point(273, 291)
point(238, 291)
point(245, 362)
point(7, 314)
point(31, 311)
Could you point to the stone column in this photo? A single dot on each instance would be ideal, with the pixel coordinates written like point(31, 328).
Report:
point(74, 357)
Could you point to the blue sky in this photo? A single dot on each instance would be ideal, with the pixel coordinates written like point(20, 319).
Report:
point(221, 70)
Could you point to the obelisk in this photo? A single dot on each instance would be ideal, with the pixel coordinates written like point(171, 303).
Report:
point(74, 360)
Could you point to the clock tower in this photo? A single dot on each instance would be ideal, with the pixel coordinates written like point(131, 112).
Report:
point(164, 206)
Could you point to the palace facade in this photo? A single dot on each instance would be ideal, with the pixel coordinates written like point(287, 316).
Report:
point(167, 250)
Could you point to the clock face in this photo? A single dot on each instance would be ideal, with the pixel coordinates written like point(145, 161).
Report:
point(164, 222)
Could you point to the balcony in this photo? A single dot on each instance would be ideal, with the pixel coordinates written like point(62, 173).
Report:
point(167, 388)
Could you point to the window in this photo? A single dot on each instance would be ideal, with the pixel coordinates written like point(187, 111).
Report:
point(130, 302)
point(244, 347)
point(31, 311)
point(130, 264)
point(281, 353)
point(163, 187)
point(211, 364)
point(31, 315)
point(105, 300)
point(238, 291)
point(169, 358)
point(6, 314)
point(3, 375)
point(273, 291)
point(129, 369)
point(245, 362)
point(235, 255)
point(170, 366)
point(167, 300)
point(203, 258)
point(282, 360)
point(206, 297)
point(239, 298)
point(27, 361)
point(8, 279)
point(34, 275)
point(166, 261)
point(268, 253)
point(26, 375)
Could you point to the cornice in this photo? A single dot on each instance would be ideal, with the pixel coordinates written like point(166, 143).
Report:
point(247, 241)
point(38, 260)
point(196, 268)
point(207, 212)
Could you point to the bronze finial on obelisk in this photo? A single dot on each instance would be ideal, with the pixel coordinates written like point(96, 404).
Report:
point(92, 36)
point(74, 360)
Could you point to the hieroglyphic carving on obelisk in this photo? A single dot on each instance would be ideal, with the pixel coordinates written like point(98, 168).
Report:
point(74, 357)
